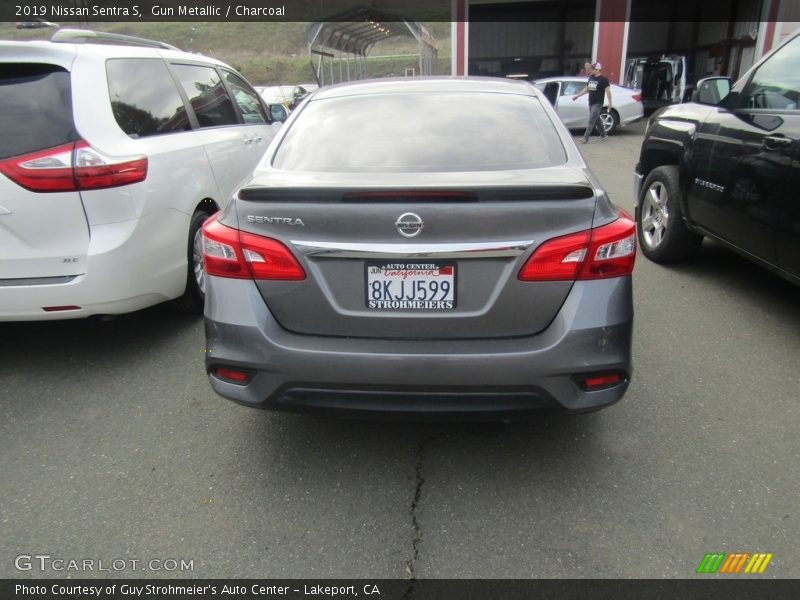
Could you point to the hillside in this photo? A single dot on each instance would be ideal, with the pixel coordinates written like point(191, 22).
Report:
point(266, 53)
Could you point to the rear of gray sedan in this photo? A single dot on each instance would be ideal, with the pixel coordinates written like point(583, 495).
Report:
point(429, 247)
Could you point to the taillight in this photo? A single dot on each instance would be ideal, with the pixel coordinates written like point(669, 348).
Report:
point(71, 167)
point(43, 171)
point(557, 259)
point(228, 252)
point(636, 97)
point(601, 253)
point(95, 170)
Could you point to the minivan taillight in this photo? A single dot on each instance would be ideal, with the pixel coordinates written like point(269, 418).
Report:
point(601, 253)
point(228, 252)
point(71, 167)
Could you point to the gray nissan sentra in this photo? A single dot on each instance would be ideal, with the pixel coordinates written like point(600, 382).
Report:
point(432, 247)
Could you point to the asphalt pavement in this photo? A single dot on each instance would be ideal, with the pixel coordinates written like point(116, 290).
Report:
point(113, 447)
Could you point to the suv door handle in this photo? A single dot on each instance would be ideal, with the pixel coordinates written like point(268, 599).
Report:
point(777, 142)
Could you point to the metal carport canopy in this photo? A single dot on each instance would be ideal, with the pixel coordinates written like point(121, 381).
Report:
point(356, 31)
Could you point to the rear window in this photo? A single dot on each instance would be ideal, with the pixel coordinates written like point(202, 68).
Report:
point(430, 132)
point(144, 98)
point(35, 108)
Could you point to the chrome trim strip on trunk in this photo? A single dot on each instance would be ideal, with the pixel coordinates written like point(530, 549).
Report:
point(28, 281)
point(458, 251)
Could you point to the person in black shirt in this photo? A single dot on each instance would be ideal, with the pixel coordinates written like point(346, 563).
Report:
point(596, 87)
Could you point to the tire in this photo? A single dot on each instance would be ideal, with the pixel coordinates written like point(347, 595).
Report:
point(662, 232)
point(193, 299)
point(609, 120)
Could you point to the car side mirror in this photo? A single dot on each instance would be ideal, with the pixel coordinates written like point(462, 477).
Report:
point(711, 90)
point(278, 112)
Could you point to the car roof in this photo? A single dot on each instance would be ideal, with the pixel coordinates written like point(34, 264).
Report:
point(562, 78)
point(47, 52)
point(425, 84)
point(580, 78)
point(63, 53)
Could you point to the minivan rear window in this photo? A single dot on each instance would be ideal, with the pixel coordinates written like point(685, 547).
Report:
point(434, 131)
point(35, 108)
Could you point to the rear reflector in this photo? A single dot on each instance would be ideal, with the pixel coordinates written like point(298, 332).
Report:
point(59, 308)
point(71, 167)
point(231, 375)
point(228, 252)
point(601, 253)
point(596, 382)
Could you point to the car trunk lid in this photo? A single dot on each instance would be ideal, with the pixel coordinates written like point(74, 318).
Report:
point(451, 253)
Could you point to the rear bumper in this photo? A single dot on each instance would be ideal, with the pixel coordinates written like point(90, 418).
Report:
point(631, 120)
point(630, 114)
point(130, 265)
point(503, 378)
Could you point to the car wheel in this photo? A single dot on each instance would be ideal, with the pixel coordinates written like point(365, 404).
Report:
point(663, 235)
point(609, 120)
point(194, 296)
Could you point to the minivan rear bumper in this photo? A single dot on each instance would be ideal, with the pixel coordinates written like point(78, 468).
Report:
point(130, 265)
point(489, 378)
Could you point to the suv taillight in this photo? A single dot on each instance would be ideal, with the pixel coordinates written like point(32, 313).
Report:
point(71, 167)
point(601, 253)
point(228, 252)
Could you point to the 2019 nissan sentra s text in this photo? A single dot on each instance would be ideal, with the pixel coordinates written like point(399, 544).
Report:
point(427, 246)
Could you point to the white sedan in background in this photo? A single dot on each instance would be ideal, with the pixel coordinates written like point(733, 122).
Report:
point(627, 103)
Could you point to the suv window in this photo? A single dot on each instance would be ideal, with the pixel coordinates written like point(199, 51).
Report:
point(37, 108)
point(430, 132)
point(144, 98)
point(776, 83)
point(246, 98)
point(207, 95)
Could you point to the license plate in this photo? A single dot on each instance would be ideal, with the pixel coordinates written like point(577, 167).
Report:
point(411, 286)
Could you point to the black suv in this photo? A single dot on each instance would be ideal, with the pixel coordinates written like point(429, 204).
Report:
point(726, 166)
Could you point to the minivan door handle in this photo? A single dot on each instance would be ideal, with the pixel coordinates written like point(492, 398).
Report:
point(777, 142)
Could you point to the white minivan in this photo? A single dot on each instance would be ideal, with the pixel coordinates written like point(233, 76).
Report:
point(112, 155)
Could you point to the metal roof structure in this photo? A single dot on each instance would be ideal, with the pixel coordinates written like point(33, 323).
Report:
point(345, 39)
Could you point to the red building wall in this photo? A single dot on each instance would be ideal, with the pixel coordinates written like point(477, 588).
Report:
point(611, 36)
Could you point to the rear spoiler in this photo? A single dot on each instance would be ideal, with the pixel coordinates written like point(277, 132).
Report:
point(348, 195)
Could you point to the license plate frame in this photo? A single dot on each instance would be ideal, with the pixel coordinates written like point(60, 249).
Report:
point(403, 304)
